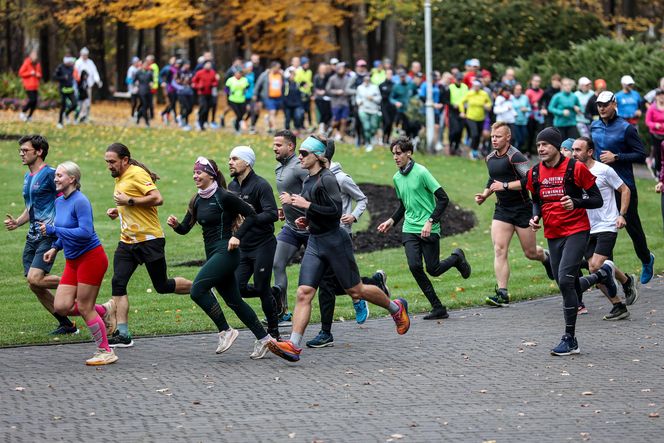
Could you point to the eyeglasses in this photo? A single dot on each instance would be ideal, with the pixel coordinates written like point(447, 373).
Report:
point(304, 153)
point(24, 151)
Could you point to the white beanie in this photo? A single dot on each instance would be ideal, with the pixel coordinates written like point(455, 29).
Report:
point(244, 153)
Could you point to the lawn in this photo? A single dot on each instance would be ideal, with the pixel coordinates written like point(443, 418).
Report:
point(171, 153)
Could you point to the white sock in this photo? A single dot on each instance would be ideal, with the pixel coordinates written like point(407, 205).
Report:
point(265, 339)
point(296, 339)
point(393, 308)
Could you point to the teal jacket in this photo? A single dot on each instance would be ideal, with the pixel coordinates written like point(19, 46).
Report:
point(558, 104)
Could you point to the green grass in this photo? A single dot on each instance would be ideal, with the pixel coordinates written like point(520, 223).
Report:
point(171, 153)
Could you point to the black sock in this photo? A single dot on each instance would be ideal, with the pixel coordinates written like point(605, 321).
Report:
point(64, 321)
point(570, 320)
point(627, 283)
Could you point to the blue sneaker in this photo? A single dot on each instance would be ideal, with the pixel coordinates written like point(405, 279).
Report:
point(608, 279)
point(647, 270)
point(361, 311)
point(285, 319)
point(65, 330)
point(568, 346)
point(322, 340)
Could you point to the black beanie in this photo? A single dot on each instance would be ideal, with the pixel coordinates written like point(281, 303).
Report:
point(550, 135)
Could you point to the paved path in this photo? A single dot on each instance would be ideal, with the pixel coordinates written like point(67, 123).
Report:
point(484, 374)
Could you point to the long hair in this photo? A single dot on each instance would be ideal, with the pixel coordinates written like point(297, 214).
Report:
point(123, 152)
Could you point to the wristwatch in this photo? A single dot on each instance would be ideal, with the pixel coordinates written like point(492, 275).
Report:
point(431, 220)
point(506, 186)
point(130, 202)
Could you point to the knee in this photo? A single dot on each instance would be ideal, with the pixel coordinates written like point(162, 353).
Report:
point(594, 264)
point(566, 282)
point(531, 254)
point(164, 287)
point(500, 251)
point(416, 268)
point(34, 281)
point(61, 308)
point(305, 295)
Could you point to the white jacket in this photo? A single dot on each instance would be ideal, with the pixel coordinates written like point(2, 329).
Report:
point(89, 67)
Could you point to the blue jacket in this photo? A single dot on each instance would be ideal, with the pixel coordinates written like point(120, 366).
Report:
point(619, 137)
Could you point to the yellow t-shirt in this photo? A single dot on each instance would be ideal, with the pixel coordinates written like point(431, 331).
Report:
point(137, 223)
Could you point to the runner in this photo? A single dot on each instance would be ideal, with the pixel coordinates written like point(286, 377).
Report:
point(86, 261)
point(422, 200)
point(258, 245)
point(31, 74)
point(507, 169)
point(204, 82)
point(64, 75)
point(237, 85)
point(557, 184)
point(141, 236)
point(290, 176)
point(604, 225)
point(328, 247)
point(85, 63)
point(39, 195)
point(217, 211)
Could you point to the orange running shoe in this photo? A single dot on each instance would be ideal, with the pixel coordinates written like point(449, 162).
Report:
point(284, 349)
point(401, 318)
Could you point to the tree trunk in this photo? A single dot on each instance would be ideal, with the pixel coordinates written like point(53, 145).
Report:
point(192, 51)
point(121, 54)
point(140, 45)
point(388, 39)
point(346, 41)
point(373, 50)
point(94, 32)
point(158, 49)
point(45, 51)
point(8, 36)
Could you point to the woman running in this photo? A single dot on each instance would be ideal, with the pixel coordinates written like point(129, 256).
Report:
point(217, 211)
point(85, 264)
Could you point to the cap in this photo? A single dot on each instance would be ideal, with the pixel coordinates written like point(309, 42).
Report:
point(606, 97)
point(135, 59)
point(475, 63)
point(459, 76)
point(584, 81)
point(659, 91)
point(567, 144)
point(486, 73)
point(377, 63)
point(600, 83)
point(334, 61)
point(626, 80)
point(86, 51)
point(304, 60)
point(476, 82)
point(361, 62)
point(248, 65)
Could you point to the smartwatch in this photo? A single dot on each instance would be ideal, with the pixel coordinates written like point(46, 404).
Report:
point(506, 186)
point(431, 220)
point(130, 202)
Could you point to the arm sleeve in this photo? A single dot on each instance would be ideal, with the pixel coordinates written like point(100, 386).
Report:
point(332, 205)
point(521, 166)
point(57, 244)
point(593, 201)
point(500, 106)
point(351, 188)
point(398, 214)
point(236, 205)
point(186, 224)
point(442, 200)
point(553, 107)
point(634, 146)
point(268, 204)
point(85, 228)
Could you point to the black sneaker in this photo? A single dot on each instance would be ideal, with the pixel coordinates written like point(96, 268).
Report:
point(567, 346)
point(501, 299)
point(631, 290)
point(547, 264)
point(65, 330)
point(619, 312)
point(437, 314)
point(381, 276)
point(462, 264)
point(118, 340)
point(322, 340)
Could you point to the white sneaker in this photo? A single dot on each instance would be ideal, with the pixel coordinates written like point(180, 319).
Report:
point(369, 148)
point(59, 126)
point(186, 128)
point(102, 357)
point(260, 349)
point(439, 147)
point(226, 339)
point(23, 117)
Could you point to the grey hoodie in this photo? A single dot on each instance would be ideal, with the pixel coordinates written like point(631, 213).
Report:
point(349, 192)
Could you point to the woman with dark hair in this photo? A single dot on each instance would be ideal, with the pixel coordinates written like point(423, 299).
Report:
point(220, 214)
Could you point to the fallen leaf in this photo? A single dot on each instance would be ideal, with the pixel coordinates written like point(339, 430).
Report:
point(587, 393)
point(291, 435)
point(163, 390)
point(529, 343)
point(653, 415)
point(396, 436)
point(196, 402)
point(19, 388)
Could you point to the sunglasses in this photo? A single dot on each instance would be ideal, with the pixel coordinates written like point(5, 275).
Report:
point(304, 153)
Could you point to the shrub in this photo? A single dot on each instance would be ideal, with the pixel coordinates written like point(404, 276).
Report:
point(11, 89)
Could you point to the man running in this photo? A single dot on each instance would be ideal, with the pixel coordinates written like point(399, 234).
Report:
point(39, 195)
point(422, 200)
point(557, 185)
point(328, 247)
point(618, 145)
point(507, 168)
point(604, 225)
point(141, 237)
point(258, 245)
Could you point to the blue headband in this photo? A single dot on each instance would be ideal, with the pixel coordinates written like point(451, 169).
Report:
point(313, 145)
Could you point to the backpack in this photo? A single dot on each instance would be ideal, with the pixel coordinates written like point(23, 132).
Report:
point(571, 188)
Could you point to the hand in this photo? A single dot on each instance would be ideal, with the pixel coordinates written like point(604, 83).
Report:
point(42, 228)
point(567, 202)
point(565, 112)
point(480, 198)
point(112, 213)
point(300, 202)
point(621, 222)
point(10, 223)
point(637, 114)
point(348, 219)
point(233, 243)
point(534, 223)
point(398, 105)
point(496, 186)
point(302, 223)
point(121, 199)
point(658, 188)
point(49, 255)
point(285, 198)
point(462, 115)
point(280, 214)
point(385, 226)
point(607, 157)
point(172, 221)
point(577, 109)
point(426, 229)
point(544, 112)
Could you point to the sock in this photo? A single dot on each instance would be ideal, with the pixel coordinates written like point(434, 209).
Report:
point(502, 291)
point(296, 339)
point(393, 308)
point(123, 329)
point(98, 331)
point(627, 283)
point(62, 320)
point(265, 339)
point(326, 327)
point(570, 320)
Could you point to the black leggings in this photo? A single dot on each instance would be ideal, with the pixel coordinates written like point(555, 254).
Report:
point(135, 103)
point(186, 105)
point(324, 111)
point(172, 102)
point(31, 104)
point(204, 106)
point(417, 247)
point(219, 272)
point(144, 108)
point(456, 130)
point(67, 104)
point(568, 132)
point(123, 269)
point(328, 290)
point(238, 109)
point(258, 262)
point(634, 228)
point(475, 130)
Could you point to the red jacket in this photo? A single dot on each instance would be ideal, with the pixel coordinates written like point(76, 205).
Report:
point(30, 74)
point(204, 81)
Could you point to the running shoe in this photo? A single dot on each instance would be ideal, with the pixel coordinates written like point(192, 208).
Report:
point(437, 314)
point(110, 321)
point(568, 346)
point(547, 264)
point(647, 270)
point(286, 319)
point(322, 340)
point(226, 339)
point(361, 311)
point(118, 340)
point(382, 277)
point(608, 274)
point(581, 310)
point(102, 357)
point(213, 125)
point(260, 350)
point(501, 299)
point(284, 349)
point(65, 330)
point(619, 312)
point(401, 317)
point(23, 117)
point(462, 264)
point(631, 290)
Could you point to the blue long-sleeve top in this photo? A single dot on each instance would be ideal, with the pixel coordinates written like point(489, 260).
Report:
point(73, 225)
